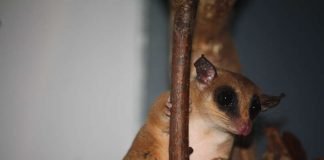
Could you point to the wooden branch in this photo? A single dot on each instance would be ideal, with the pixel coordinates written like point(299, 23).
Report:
point(294, 146)
point(184, 14)
point(276, 149)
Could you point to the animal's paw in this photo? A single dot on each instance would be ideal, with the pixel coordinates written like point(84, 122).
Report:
point(168, 107)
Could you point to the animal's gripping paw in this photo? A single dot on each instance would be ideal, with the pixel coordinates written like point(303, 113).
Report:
point(168, 107)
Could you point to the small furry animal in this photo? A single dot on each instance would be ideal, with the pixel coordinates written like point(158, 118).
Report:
point(222, 104)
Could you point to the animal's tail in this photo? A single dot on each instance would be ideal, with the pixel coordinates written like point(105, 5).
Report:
point(212, 37)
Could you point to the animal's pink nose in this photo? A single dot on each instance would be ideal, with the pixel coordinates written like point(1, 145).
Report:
point(245, 128)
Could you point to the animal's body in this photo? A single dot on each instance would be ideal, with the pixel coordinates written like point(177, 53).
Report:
point(223, 104)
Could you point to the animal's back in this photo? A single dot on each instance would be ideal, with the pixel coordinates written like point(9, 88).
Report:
point(151, 142)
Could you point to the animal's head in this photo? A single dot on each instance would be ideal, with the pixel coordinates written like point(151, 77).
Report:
point(229, 100)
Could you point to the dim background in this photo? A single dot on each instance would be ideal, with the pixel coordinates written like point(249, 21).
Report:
point(77, 76)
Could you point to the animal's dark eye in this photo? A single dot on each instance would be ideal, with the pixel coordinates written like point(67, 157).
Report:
point(226, 97)
point(255, 107)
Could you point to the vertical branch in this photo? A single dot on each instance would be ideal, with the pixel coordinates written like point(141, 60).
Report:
point(184, 14)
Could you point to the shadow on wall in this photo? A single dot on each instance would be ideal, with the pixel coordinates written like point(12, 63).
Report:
point(280, 44)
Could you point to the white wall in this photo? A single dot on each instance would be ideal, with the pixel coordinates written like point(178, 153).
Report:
point(70, 78)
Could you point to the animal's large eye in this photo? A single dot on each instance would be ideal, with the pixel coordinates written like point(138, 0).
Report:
point(226, 97)
point(255, 107)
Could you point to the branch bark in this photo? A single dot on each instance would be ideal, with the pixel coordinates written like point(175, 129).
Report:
point(184, 15)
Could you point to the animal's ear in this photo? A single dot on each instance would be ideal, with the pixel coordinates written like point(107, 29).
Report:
point(205, 70)
point(268, 101)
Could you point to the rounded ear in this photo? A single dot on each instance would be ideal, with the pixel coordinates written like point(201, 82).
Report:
point(205, 70)
point(268, 101)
